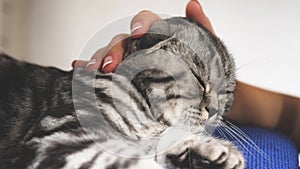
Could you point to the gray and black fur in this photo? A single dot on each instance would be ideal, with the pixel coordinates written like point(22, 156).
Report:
point(51, 119)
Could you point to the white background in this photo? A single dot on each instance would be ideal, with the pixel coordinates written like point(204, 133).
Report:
point(262, 35)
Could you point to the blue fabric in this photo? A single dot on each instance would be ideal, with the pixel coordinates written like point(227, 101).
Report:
point(276, 151)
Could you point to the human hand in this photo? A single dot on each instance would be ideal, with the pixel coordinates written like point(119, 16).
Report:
point(108, 58)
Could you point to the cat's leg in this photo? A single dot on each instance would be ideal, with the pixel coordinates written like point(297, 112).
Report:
point(114, 162)
point(116, 154)
point(200, 152)
point(146, 163)
point(95, 155)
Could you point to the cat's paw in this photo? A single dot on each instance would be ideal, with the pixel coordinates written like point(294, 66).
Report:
point(213, 153)
point(144, 163)
point(220, 153)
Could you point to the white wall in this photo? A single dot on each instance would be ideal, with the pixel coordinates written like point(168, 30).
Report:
point(11, 28)
point(262, 35)
point(58, 29)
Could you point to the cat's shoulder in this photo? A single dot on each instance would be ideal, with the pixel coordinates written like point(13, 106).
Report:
point(7, 61)
point(10, 68)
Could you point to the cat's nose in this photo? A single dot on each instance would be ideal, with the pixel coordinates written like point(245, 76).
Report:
point(211, 111)
point(213, 107)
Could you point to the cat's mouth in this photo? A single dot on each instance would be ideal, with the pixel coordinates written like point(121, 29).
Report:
point(201, 120)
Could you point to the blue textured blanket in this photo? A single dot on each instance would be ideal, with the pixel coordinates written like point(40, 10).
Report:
point(275, 150)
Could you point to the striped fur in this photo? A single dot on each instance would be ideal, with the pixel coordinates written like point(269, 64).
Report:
point(51, 119)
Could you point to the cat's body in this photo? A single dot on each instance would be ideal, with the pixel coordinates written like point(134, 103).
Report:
point(78, 119)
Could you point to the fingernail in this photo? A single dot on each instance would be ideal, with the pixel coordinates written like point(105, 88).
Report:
point(108, 60)
point(135, 27)
point(91, 65)
point(196, 1)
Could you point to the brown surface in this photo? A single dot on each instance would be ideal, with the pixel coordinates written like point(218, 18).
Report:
point(254, 106)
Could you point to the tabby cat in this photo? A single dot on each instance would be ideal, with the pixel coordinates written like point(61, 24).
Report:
point(156, 111)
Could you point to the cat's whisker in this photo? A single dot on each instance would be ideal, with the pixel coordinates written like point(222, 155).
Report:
point(239, 134)
point(230, 132)
point(221, 132)
point(253, 62)
point(238, 88)
point(243, 66)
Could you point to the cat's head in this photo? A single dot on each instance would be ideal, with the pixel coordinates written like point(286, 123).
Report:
point(182, 70)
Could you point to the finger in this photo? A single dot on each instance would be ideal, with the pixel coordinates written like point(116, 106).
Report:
point(141, 23)
point(115, 53)
point(195, 11)
point(79, 63)
point(109, 57)
point(96, 60)
point(91, 64)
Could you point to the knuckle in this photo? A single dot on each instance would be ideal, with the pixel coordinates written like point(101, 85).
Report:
point(145, 11)
point(118, 38)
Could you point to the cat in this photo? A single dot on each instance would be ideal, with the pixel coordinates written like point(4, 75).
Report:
point(177, 79)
